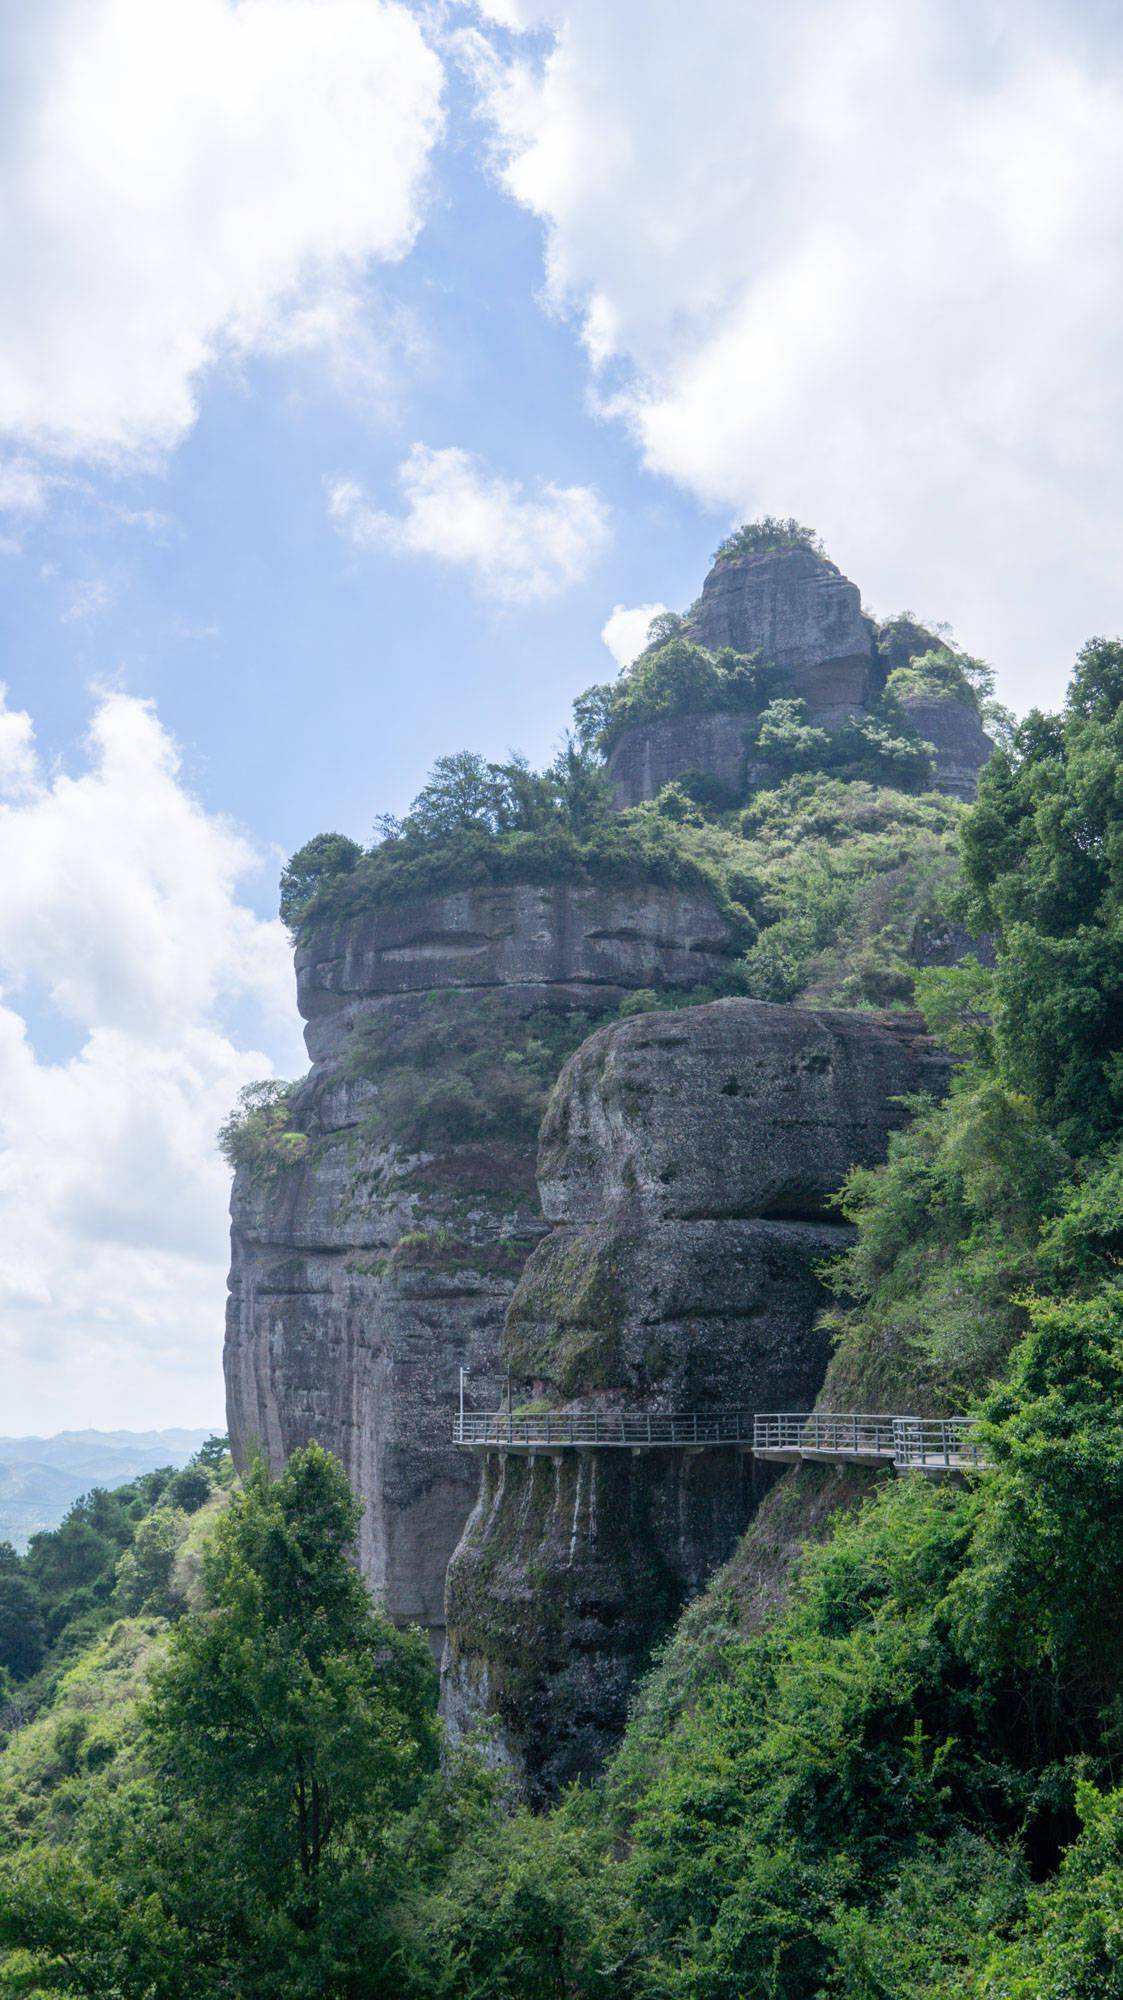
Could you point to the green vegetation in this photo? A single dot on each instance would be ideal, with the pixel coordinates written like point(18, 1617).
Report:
point(674, 676)
point(463, 1069)
point(770, 532)
point(259, 1133)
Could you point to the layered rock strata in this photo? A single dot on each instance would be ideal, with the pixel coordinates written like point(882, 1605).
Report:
point(368, 1272)
point(687, 1161)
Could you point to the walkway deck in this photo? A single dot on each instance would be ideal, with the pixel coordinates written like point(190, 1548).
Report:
point(932, 1445)
point(586, 1430)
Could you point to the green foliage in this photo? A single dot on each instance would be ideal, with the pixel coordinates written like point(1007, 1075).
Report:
point(22, 1638)
point(145, 1569)
point(259, 1133)
point(675, 676)
point(755, 538)
point(1043, 856)
point(319, 861)
point(1042, 1596)
point(288, 1729)
point(456, 1073)
point(1071, 1947)
point(941, 675)
point(850, 875)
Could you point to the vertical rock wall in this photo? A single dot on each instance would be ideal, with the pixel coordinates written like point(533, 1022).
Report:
point(687, 1161)
point(367, 1274)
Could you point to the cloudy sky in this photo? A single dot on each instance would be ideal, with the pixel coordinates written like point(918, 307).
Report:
point(369, 372)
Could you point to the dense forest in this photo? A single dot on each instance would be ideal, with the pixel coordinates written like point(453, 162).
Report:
point(222, 1771)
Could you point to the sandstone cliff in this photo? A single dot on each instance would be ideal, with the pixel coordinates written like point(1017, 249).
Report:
point(365, 1275)
point(796, 610)
point(687, 1161)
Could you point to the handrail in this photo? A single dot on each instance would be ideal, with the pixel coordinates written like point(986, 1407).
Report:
point(923, 1444)
point(634, 1429)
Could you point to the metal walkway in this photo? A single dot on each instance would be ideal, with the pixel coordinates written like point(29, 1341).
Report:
point(932, 1445)
point(910, 1444)
point(585, 1430)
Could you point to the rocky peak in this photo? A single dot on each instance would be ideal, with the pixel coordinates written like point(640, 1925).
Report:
point(797, 609)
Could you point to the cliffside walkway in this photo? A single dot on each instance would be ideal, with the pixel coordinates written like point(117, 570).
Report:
point(909, 1444)
point(629, 1430)
point(932, 1445)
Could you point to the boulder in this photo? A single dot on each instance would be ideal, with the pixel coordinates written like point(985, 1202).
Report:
point(738, 1108)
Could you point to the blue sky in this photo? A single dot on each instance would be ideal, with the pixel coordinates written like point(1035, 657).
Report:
point(358, 359)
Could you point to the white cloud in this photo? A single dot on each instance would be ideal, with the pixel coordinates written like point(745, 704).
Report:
point(625, 632)
point(120, 919)
point(858, 263)
point(516, 546)
point(188, 178)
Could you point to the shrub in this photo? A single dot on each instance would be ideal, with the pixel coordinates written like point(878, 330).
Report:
point(770, 532)
point(258, 1134)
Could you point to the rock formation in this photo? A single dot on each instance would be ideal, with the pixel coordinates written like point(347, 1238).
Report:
point(367, 1273)
point(686, 1160)
point(797, 610)
point(960, 744)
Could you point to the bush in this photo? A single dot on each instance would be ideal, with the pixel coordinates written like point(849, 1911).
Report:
point(258, 1134)
point(770, 532)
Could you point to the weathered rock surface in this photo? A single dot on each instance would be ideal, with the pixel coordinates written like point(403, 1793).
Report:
point(656, 753)
point(798, 610)
point(687, 1159)
point(733, 1109)
point(522, 935)
point(958, 738)
point(364, 1276)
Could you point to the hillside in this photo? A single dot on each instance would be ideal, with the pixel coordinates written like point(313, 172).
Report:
point(40, 1477)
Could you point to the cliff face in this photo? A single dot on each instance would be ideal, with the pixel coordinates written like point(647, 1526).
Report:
point(960, 744)
point(366, 1274)
point(800, 613)
point(686, 1161)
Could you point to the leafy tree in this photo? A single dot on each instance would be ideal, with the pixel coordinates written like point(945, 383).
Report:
point(212, 1453)
point(190, 1488)
point(144, 1571)
point(288, 1727)
point(1071, 1947)
point(789, 742)
point(322, 858)
point(1043, 859)
point(22, 1637)
point(770, 532)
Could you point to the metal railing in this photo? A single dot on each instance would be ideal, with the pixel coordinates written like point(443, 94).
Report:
point(923, 1444)
point(835, 1436)
point(926, 1443)
point(636, 1430)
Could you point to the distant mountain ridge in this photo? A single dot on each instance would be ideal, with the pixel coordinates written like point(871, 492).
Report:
point(40, 1477)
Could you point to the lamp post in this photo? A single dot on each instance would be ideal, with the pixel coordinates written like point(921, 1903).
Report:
point(463, 1373)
